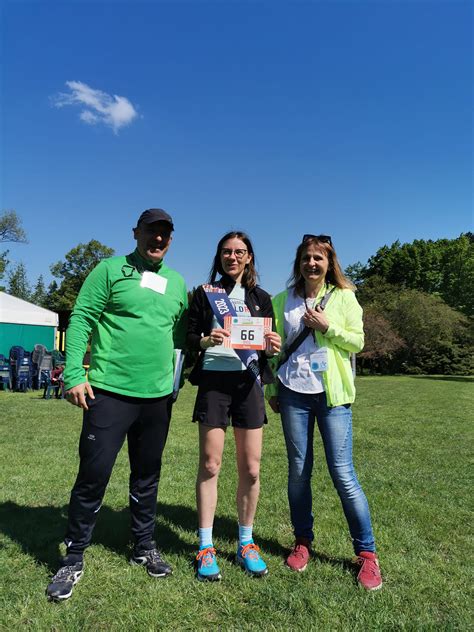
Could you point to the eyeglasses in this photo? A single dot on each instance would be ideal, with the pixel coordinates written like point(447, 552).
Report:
point(326, 239)
point(228, 252)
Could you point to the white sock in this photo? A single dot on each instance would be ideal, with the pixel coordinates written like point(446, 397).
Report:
point(205, 537)
point(245, 533)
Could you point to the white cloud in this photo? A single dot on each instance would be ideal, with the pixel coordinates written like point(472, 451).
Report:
point(88, 117)
point(99, 107)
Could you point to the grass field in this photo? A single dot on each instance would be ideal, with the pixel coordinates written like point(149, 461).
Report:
point(413, 438)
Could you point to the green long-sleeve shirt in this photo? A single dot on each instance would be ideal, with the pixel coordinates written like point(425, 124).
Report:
point(134, 329)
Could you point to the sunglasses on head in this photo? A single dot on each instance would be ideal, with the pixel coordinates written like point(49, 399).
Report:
point(326, 239)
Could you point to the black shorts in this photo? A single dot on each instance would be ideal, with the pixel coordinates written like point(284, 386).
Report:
point(229, 395)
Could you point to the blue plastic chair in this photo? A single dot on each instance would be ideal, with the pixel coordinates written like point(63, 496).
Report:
point(21, 369)
point(5, 373)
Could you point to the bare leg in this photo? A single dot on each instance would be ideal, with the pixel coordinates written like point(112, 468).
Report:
point(211, 446)
point(248, 445)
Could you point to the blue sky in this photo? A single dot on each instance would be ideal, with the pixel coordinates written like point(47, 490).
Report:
point(352, 119)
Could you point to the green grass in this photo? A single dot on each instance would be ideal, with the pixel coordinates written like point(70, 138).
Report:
point(412, 445)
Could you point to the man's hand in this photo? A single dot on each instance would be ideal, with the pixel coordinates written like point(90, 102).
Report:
point(76, 395)
point(274, 404)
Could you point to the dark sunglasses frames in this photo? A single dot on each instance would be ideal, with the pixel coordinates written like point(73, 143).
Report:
point(326, 239)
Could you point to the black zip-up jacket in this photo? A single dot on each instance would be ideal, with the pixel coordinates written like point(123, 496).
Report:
point(258, 302)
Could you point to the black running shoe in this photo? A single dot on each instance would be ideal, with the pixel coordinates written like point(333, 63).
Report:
point(153, 562)
point(63, 582)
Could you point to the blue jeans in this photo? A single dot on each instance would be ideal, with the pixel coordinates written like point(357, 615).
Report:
point(298, 414)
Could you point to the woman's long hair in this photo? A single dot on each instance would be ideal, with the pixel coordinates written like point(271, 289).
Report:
point(334, 275)
point(250, 276)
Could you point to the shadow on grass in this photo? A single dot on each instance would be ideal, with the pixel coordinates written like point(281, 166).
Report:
point(345, 563)
point(39, 530)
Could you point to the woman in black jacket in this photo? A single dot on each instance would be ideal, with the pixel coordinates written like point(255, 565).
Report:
point(229, 393)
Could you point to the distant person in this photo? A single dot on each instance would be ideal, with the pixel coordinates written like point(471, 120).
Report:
point(135, 308)
point(320, 322)
point(56, 383)
point(230, 392)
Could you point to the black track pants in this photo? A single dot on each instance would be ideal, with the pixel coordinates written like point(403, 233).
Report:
point(111, 418)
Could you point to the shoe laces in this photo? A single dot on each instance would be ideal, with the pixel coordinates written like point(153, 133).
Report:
point(368, 566)
point(299, 550)
point(154, 556)
point(250, 550)
point(65, 573)
point(206, 556)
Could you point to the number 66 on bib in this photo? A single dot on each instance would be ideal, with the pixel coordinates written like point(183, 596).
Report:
point(247, 332)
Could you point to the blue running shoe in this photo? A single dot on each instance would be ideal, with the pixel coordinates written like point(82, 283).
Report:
point(248, 556)
point(207, 569)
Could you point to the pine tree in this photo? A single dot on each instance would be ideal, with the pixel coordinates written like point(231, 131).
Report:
point(39, 295)
point(18, 283)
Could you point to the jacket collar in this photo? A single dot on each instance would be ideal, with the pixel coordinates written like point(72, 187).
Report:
point(227, 283)
point(142, 264)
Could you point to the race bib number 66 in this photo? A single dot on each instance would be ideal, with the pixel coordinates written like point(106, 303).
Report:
point(246, 332)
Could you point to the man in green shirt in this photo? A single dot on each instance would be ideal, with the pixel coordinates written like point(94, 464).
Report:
point(134, 310)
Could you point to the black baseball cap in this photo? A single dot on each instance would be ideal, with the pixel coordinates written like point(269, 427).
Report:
point(155, 215)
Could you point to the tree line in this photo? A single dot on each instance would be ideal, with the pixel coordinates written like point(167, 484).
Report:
point(61, 293)
point(418, 298)
point(418, 301)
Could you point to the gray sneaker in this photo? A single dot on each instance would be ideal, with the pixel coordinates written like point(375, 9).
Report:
point(153, 562)
point(62, 584)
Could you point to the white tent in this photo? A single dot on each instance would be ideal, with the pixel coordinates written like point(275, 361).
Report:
point(15, 310)
point(25, 324)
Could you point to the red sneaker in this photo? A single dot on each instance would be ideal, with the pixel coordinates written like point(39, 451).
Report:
point(369, 575)
point(299, 556)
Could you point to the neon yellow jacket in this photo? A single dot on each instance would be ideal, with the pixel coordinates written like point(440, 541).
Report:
point(345, 335)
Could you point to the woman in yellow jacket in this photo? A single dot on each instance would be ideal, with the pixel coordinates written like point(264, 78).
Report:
point(320, 322)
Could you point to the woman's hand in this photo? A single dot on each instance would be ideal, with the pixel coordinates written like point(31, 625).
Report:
point(273, 343)
point(316, 319)
point(274, 404)
point(215, 338)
